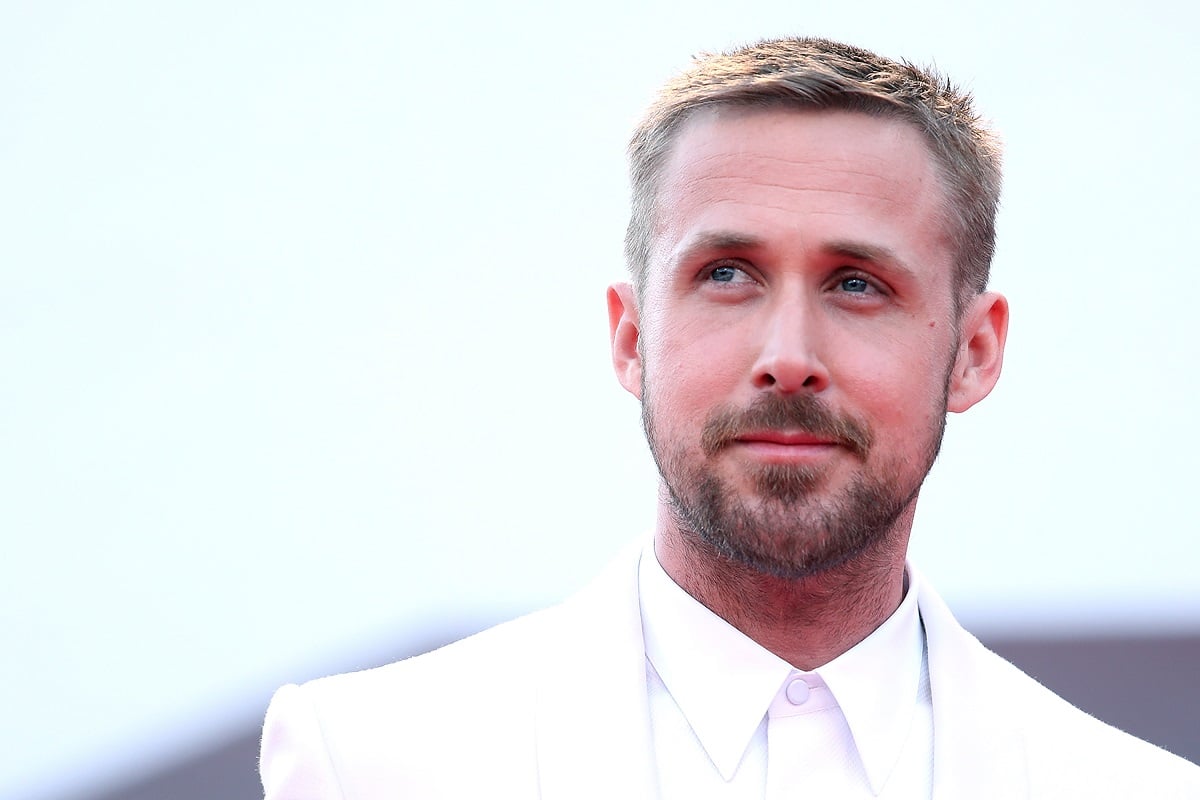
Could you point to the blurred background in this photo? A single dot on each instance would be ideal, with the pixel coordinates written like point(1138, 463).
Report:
point(304, 360)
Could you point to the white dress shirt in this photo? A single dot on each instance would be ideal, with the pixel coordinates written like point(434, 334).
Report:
point(732, 720)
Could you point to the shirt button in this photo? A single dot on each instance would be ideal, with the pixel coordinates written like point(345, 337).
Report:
point(797, 692)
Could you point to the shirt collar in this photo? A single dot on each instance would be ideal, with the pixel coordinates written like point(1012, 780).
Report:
point(877, 684)
point(724, 682)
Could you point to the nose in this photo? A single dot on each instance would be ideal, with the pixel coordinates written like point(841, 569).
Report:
point(790, 357)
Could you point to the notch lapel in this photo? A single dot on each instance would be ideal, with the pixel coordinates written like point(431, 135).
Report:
point(978, 748)
point(593, 721)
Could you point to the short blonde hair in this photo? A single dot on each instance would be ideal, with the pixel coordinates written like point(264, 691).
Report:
point(818, 74)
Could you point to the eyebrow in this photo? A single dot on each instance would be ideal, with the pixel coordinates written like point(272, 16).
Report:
point(876, 254)
point(717, 241)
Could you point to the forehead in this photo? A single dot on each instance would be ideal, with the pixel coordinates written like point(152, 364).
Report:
point(800, 177)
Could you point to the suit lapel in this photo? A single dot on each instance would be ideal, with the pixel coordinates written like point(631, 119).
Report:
point(593, 734)
point(978, 748)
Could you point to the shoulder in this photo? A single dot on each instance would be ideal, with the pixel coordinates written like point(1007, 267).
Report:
point(602, 616)
point(405, 728)
point(1069, 749)
point(495, 666)
point(402, 727)
point(1068, 752)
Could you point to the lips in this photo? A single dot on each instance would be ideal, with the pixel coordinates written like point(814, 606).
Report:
point(785, 438)
point(785, 447)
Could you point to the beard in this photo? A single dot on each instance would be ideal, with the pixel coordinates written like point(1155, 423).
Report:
point(787, 527)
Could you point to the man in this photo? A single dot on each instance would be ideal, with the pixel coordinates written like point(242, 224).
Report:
point(810, 240)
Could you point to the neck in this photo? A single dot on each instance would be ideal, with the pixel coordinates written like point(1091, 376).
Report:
point(806, 621)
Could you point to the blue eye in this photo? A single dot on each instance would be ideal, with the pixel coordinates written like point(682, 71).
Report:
point(855, 285)
point(723, 274)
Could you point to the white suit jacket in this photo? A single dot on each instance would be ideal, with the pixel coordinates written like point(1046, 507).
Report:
point(553, 706)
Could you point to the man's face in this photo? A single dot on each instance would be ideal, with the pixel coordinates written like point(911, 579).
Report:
point(797, 335)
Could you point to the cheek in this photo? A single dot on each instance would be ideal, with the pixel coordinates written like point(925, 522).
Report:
point(684, 380)
point(695, 356)
point(901, 384)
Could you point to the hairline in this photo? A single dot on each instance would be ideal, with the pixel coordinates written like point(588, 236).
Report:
point(969, 178)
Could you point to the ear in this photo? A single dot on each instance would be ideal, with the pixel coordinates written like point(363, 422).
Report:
point(980, 351)
point(624, 329)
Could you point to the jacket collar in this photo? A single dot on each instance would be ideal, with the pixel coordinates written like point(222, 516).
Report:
point(593, 719)
point(978, 746)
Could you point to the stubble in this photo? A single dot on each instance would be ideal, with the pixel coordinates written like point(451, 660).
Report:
point(793, 525)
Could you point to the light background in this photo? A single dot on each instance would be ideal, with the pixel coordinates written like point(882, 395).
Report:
point(303, 348)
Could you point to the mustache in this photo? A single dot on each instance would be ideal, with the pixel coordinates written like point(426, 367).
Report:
point(799, 412)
